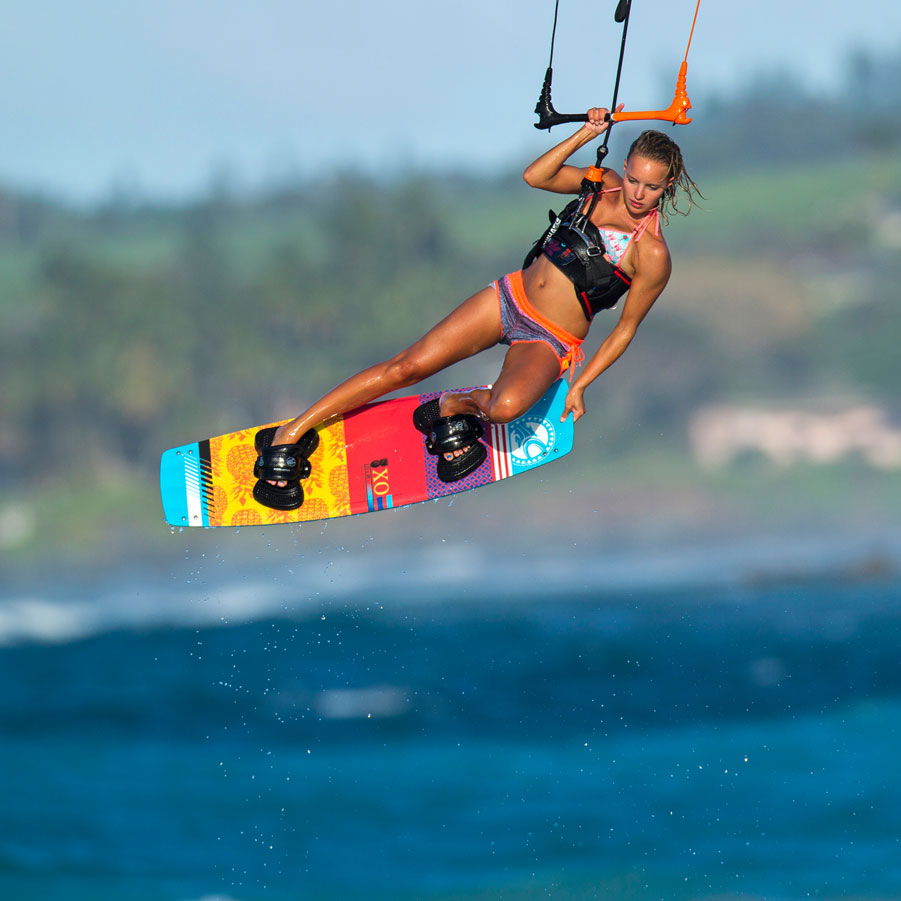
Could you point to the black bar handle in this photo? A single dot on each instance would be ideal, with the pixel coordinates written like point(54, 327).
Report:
point(548, 117)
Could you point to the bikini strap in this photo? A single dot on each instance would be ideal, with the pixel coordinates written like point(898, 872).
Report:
point(642, 227)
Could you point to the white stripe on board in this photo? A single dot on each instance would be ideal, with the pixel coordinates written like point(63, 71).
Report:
point(192, 488)
point(500, 453)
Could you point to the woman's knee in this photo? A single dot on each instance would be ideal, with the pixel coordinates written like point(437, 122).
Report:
point(403, 371)
point(506, 407)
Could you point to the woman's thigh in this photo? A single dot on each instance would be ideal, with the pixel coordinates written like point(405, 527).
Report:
point(472, 327)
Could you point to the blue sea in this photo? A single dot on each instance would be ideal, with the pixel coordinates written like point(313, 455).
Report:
point(686, 728)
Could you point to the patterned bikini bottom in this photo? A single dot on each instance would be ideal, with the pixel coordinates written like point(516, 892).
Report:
point(522, 323)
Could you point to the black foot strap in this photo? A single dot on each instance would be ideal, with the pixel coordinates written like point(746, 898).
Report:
point(453, 433)
point(446, 434)
point(282, 463)
point(460, 467)
point(425, 415)
point(288, 498)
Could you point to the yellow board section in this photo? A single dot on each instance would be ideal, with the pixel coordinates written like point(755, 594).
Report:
point(326, 491)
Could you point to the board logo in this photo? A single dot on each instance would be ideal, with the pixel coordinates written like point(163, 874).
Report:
point(378, 485)
point(532, 439)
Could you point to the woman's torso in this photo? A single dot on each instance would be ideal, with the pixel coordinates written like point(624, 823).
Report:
point(552, 293)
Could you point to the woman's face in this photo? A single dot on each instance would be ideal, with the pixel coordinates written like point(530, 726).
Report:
point(644, 181)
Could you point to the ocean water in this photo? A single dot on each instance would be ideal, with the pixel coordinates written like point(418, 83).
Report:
point(573, 739)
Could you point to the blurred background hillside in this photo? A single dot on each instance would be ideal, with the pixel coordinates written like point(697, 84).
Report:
point(130, 325)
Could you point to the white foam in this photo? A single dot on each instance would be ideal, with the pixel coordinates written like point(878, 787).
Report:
point(377, 701)
point(448, 572)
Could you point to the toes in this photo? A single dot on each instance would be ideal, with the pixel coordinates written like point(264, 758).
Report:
point(451, 455)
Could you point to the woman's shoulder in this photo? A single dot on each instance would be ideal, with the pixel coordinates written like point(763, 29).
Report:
point(611, 179)
point(652, 252)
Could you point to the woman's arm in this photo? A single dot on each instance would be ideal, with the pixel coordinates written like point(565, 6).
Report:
point(549, 171)
point(647, 286)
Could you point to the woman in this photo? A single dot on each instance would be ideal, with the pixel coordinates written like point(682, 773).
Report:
point(597, 250)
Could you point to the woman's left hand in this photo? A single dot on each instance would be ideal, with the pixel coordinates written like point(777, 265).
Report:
point(574, 404)
point(598, 120)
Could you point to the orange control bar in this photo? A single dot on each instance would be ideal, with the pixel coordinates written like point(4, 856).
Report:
point(675, 112)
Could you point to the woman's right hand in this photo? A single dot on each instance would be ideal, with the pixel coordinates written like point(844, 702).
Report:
point(574, 403)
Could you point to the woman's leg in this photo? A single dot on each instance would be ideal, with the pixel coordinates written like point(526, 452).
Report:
point(472, 327)
point(529, 369)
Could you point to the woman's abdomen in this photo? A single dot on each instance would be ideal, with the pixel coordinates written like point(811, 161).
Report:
point(553, 295)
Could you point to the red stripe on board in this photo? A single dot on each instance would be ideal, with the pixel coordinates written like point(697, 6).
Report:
point(383, 434)
point(500, 451)
point(495, 456)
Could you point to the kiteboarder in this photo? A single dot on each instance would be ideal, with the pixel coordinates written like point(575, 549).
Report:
point(605, 244)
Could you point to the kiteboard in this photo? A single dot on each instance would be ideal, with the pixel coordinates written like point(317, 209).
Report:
point(367, 460)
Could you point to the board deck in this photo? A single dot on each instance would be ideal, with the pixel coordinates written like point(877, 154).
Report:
point(368, 460)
